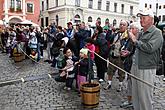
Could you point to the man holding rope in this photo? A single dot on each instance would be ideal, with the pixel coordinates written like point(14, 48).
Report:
point(146, 59)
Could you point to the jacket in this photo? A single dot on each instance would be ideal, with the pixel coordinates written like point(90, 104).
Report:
point(149, 48)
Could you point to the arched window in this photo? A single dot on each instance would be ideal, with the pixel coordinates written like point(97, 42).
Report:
point(77, 18)
point(98, 19)
point(89, 19)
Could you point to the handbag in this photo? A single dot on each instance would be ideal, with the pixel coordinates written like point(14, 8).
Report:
point(160, 68)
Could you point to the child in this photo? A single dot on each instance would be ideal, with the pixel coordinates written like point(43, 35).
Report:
point(82, 67)
point(91, 47)
point(67, 70)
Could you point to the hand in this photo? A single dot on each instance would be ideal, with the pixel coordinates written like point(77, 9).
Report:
point(76, 63)
point(124, 53)
point(132, 36)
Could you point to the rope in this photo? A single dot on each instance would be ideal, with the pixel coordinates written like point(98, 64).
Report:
point(133, 76)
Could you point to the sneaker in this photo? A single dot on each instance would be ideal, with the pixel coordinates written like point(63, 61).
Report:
point(164, 79)
point(65, 88)
point(119, 89)
point(107, 87)
point(46, 60)
point(68, 88)
point(101, 80)
point(126, 104)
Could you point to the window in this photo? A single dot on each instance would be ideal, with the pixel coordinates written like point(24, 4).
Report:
point(46, 21)
point(57, 19)
point(12, 5)
point(42, 5)
point(150, 6)
point(107, 5)
point(131, 10)
point(18, 2)
point(90, 5)
point(164, 6)
point(89, 19)
point(163, 19)
point(56, 3)
point(160, 7)
point(47, 4)
point(122, 8)
point(115, 7)
point(160, 18)
point(99, 5)
point(30, 7)
point(77, 18)
point(77, 2)
point(145, 5)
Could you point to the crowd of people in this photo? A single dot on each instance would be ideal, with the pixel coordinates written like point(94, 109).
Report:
point(134, 47)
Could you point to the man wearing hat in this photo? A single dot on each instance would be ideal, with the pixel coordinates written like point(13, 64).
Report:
point(147, 55)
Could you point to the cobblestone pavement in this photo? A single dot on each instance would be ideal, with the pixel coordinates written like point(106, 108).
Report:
point(49, 95)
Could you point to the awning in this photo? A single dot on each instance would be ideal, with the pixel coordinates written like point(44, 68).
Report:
point(27, 22)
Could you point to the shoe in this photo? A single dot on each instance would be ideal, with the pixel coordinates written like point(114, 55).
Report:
point(101, 80)
point(107, 87)
point(164, 79)
point(119, 89)
point(46, 60)
point(68, 88)
point(65, 88)
point(126, 104)
point(53, 66)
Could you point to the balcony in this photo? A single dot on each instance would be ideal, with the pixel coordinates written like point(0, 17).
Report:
point(15, 10)
point(18, 9)
point(12, 9)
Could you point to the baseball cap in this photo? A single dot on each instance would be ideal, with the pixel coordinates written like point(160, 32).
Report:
point(146, 12)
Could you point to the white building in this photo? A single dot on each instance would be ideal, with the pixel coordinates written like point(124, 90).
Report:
point(158, 7)
point(63, 11)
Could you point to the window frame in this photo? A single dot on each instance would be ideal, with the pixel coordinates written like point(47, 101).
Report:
point(107, 5)
point(27, 7)
point(122, 8)
point(115, 7)
point(99, 4)
point(90, 4)
point(77, 3)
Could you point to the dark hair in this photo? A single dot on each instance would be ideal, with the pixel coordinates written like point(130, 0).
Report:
point(65, 50)
point(59, 27)
point(100, 29)
point(89, 40)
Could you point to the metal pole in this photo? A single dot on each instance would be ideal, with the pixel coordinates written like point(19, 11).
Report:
point(156, 9)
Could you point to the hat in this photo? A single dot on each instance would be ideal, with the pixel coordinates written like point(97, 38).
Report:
point(69, 23)
point(84, 51)
point(147, 12)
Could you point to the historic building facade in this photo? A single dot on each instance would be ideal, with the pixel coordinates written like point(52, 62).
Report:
point(158, 7)
point(63, 11)
point(13, 11)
